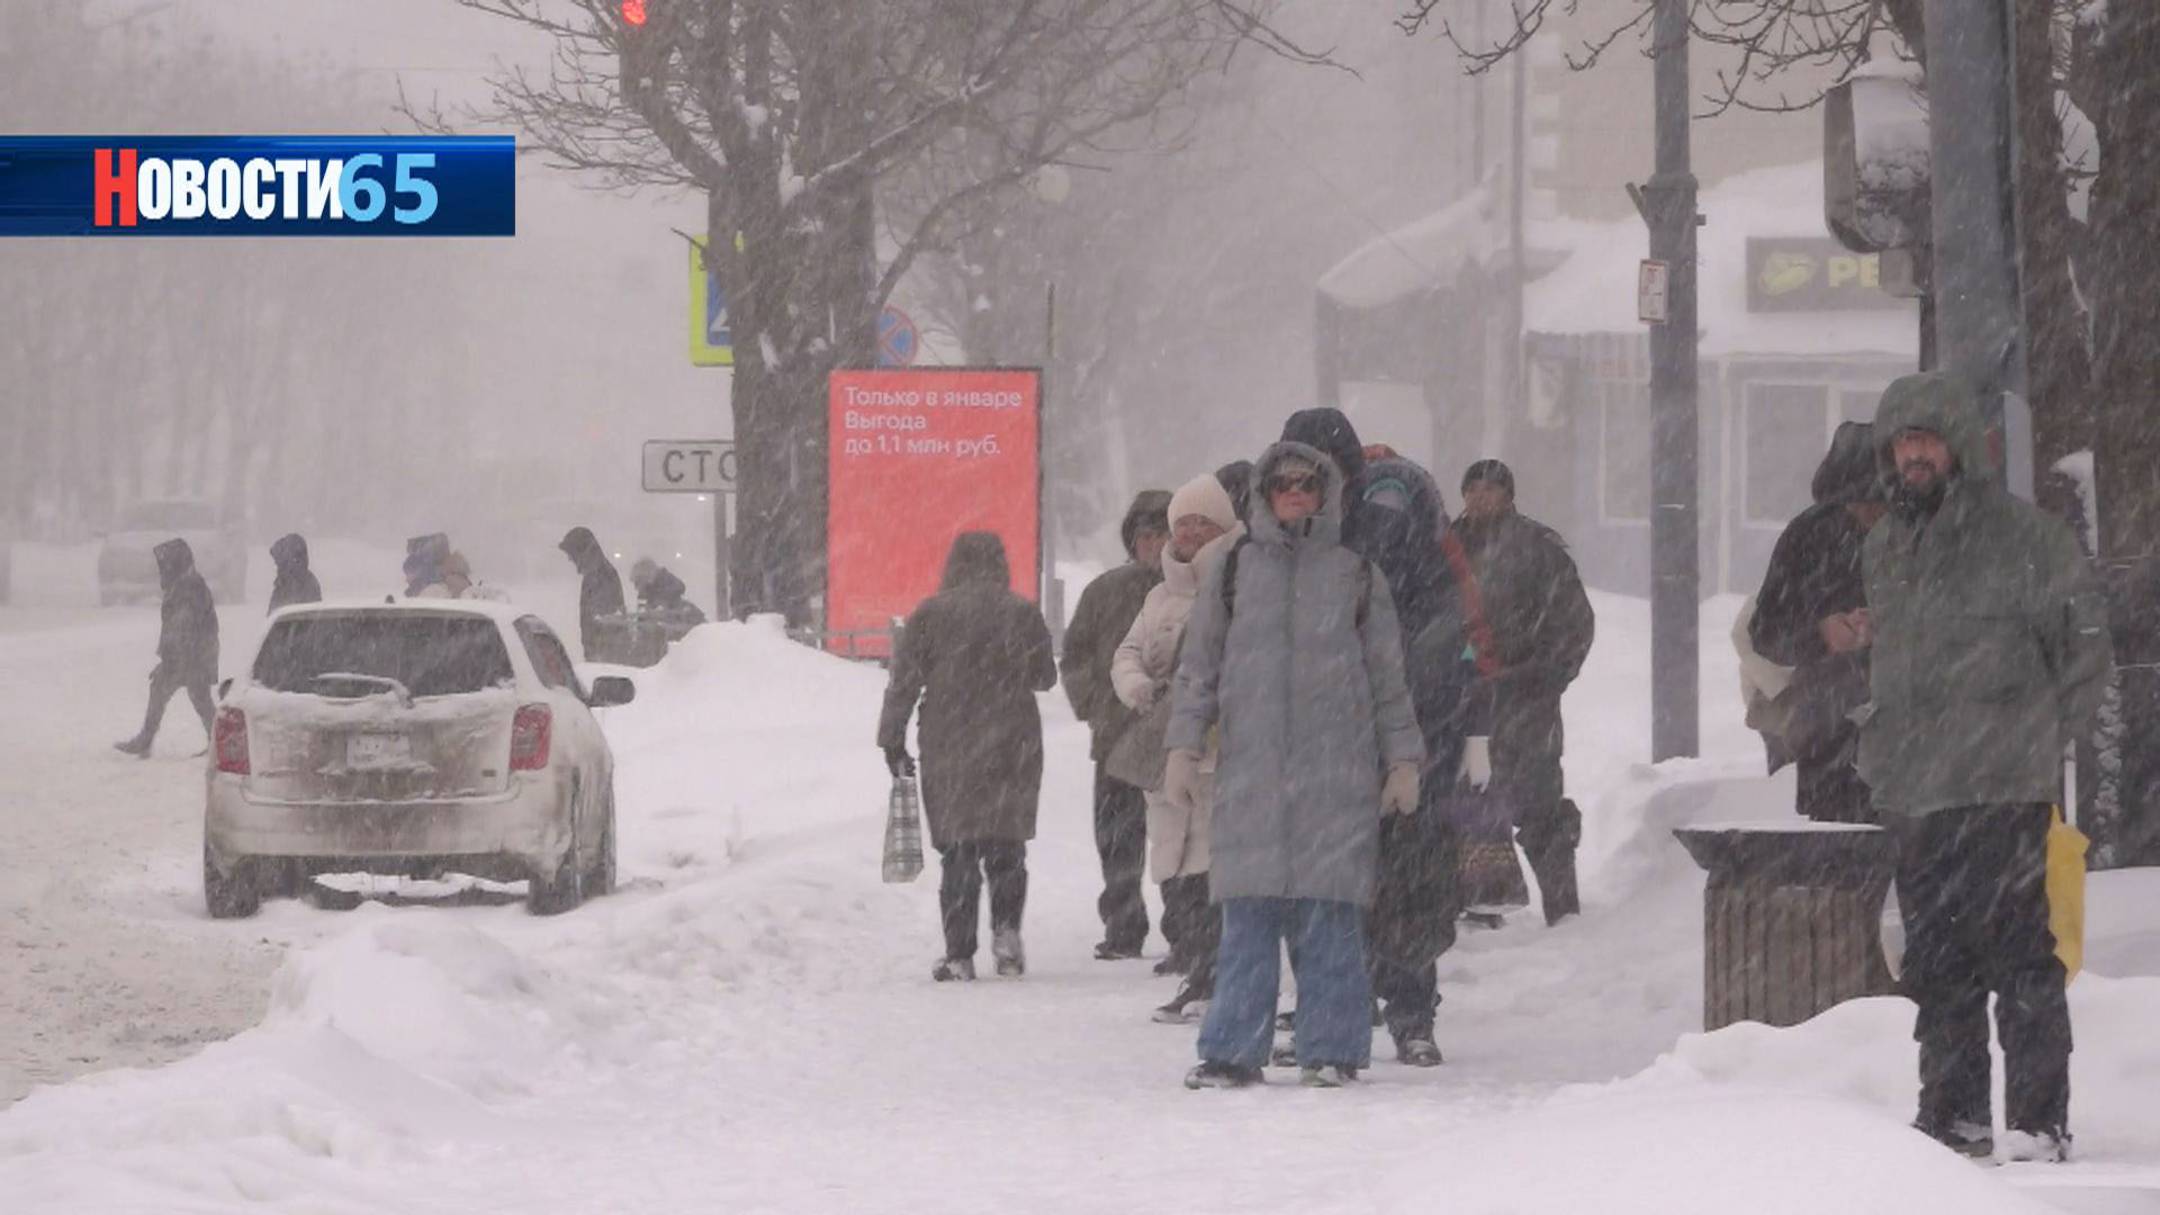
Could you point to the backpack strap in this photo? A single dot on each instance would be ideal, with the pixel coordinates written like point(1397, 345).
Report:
point(1229, 584)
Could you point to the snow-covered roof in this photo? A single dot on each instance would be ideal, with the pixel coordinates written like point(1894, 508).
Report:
point(1594, 290)
point(1420, 256)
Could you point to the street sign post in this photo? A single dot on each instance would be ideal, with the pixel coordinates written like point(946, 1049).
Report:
point(689, 466)
point(711, 344)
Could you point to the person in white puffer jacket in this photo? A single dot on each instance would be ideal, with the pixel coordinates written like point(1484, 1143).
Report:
point(1203, 523)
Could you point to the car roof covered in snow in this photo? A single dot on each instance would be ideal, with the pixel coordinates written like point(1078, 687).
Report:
point(500, 613)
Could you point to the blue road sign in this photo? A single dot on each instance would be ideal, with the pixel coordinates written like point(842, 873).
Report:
point(898, 343)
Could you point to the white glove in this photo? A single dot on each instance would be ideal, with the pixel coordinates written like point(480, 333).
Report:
point(1148, 696)
point(1398, 794)
point(1477, 761)
point(1181, 779)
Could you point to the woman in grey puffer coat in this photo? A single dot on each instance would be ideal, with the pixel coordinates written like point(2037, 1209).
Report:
point(1292, 654)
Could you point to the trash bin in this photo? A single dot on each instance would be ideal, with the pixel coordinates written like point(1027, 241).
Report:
point(1792, 918)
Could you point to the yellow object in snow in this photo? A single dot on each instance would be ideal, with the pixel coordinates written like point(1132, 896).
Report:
point(2066, 847)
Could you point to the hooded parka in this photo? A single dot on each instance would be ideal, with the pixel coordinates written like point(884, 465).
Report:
point(1300, 670)
point(600, 592)
point(1990, 650)
point(974, 655)
point(1105, 611)
point(295, 581)
point(187, 618)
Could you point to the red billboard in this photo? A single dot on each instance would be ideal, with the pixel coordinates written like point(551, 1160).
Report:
point(918, 456)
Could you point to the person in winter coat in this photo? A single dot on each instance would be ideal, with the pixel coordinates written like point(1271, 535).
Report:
point(974, 655)
point(663, 597)
point(1405, 549)
point(1541, 626)
point(601, 592)
point(295, 581)
point(1293, 660)
point(187, 645)
point(1201, 516)
point(424, 557)
point(1099, 621)
point(1804, 619)
point(1990, 654)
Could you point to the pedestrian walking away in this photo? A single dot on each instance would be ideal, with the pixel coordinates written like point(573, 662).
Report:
point(424, 558)
point(295, 582)
point(1293, 660)
point(599, 590)
point(187, 648)
point(1989, 655)
point(1202, 522)
point(1541, 625)
point(1100, 620)
point(973, 656)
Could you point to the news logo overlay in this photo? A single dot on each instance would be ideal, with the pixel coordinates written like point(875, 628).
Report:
point(207, 185)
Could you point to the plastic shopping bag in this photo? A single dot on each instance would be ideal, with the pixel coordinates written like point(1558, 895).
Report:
point(2066, 847)
point(903, 831)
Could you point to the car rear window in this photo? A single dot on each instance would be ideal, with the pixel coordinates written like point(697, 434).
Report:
point(430, 655)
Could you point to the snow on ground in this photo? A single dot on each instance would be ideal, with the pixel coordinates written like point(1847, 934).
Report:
point(749, 1024)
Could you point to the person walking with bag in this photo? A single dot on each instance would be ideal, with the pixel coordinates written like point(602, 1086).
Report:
point(1293, 659)
point(1201, 515)
point(974, 655)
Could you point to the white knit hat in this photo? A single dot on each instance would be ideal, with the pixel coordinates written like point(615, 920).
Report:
point(1203, 496)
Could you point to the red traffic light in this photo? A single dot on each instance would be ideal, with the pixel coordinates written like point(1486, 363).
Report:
point(633, 12)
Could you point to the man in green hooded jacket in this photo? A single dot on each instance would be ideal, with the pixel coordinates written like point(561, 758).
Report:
point(1990, 654)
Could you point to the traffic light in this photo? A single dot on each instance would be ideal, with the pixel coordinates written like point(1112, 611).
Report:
point(637, 44)
point(633, 12)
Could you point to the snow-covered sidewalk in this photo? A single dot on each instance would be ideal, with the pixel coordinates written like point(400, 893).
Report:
point(749, 1025)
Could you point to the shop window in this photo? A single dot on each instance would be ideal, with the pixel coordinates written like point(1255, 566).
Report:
point(1624, 450)
point(1787, 430)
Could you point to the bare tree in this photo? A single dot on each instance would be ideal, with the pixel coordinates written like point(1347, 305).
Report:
point(790, 116)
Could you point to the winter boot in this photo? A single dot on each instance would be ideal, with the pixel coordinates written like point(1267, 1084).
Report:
point(1328, 1075)
point(1171, 964)
point(1975, 1139)
point(139, 747)
point(949, 970)
point(1417, 1051)
point(1211, 1074)
point(1011, 958)
point(2036, 1147)
point(1113, 951)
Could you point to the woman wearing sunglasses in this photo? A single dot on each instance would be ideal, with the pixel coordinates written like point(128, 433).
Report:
point(1293, 657)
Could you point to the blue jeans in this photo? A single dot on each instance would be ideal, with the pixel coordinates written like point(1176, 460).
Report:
point(1327, 956)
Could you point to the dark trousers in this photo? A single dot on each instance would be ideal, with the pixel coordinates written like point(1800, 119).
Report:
point(162, 687)
point(1549, 832)
point(965, 866)
point(1121, 842)
point(1408, 995)
point(1973, 885)
point(1193, 926)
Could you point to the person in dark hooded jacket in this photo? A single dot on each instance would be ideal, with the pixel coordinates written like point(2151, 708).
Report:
point(1100, 621)
point(601, 594)
point(424, 557)
point(974, 655)
point(187, 645)
point(295, 581)
point(1804, 619)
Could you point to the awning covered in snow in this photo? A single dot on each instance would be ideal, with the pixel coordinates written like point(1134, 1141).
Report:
point(1421, 257)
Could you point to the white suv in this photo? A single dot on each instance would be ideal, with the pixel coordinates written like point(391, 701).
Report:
point(412, 738)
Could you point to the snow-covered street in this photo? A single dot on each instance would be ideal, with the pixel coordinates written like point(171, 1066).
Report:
point(749, 1023)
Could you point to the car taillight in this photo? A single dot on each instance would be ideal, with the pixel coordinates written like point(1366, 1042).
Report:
point(530, 731)
point(229, 742)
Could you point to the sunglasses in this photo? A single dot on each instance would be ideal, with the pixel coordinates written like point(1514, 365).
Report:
point(1303, 483)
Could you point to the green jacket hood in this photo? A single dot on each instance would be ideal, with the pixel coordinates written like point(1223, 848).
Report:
point(1940, 402)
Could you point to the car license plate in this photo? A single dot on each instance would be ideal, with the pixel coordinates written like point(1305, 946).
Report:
point(377, 750)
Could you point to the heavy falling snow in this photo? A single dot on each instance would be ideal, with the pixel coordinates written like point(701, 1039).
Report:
point(1103, 248)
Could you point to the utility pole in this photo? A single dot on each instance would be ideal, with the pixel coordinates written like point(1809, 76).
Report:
point(1978, 312)
point(1668, 203)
